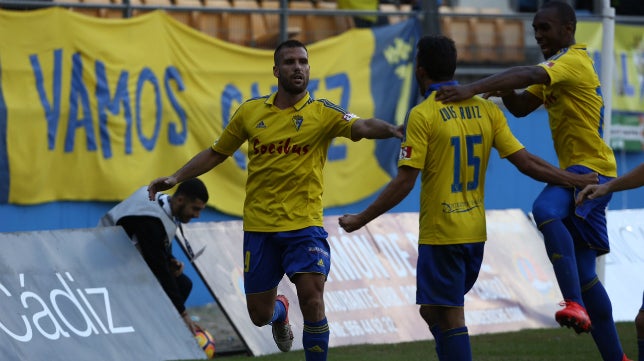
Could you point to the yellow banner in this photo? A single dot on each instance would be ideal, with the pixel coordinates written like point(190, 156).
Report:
point(627, 116)
point(92, 108)
point(628, 70)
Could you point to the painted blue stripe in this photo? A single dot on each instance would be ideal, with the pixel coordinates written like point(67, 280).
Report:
point(4, 154)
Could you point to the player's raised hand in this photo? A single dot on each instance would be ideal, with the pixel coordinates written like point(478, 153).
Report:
point(454, 93)
point(350, 222)
point(160, 185)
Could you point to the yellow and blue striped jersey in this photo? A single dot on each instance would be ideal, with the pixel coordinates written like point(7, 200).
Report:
point(451, 145)
point(576, 110)
point(287, 150)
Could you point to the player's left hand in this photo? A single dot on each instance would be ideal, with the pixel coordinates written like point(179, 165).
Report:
point(350, 222)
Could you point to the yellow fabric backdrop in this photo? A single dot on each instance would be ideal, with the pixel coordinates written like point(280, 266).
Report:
point(628, 72)
point(98, 107)
point(627, 116)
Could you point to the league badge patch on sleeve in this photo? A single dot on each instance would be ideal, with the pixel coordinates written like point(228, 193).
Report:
point(405, 153)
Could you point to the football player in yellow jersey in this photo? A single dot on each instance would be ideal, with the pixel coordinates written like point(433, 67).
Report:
point(450, 144)
point(567, 84)
point(288, 134)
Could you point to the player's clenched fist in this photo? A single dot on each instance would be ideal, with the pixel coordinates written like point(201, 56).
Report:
point(351, 222)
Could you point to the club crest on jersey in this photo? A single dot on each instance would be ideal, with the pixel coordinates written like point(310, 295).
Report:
point(405, 153)
point(297, 121)
point(348, 116)
point(260, 125)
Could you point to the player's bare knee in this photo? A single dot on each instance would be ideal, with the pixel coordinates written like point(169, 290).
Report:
point(425, 313)
point(312, 309)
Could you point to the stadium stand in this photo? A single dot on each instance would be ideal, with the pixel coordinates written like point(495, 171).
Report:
point(272, 19)
point(484, 36)
point(499, 39)
point(102, 9)
point(512, 40)
point(392, 11)
point(191, 17)
point(214, 23)
point(175, 8)
point(459, 24)
point(327, 25)
point(248, 28)
point(149, 5)
point(302, 20)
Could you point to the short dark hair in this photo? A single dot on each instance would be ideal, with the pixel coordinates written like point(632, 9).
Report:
point(565, 12)
point(193, 188)
point(290, 43)
point(437, 55)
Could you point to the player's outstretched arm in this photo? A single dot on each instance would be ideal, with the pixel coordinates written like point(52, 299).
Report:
point(517, 77)
point(198, 165)
point(394, 192)
point(373, 128)
point(537, 168)
point(630, 180)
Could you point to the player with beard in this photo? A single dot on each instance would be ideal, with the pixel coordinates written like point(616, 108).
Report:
point(288, 134)
point(567, 84)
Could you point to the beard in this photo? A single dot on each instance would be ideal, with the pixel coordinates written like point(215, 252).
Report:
point(291, 88)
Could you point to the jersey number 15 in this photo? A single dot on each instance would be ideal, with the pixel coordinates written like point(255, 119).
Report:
point(472, 161)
